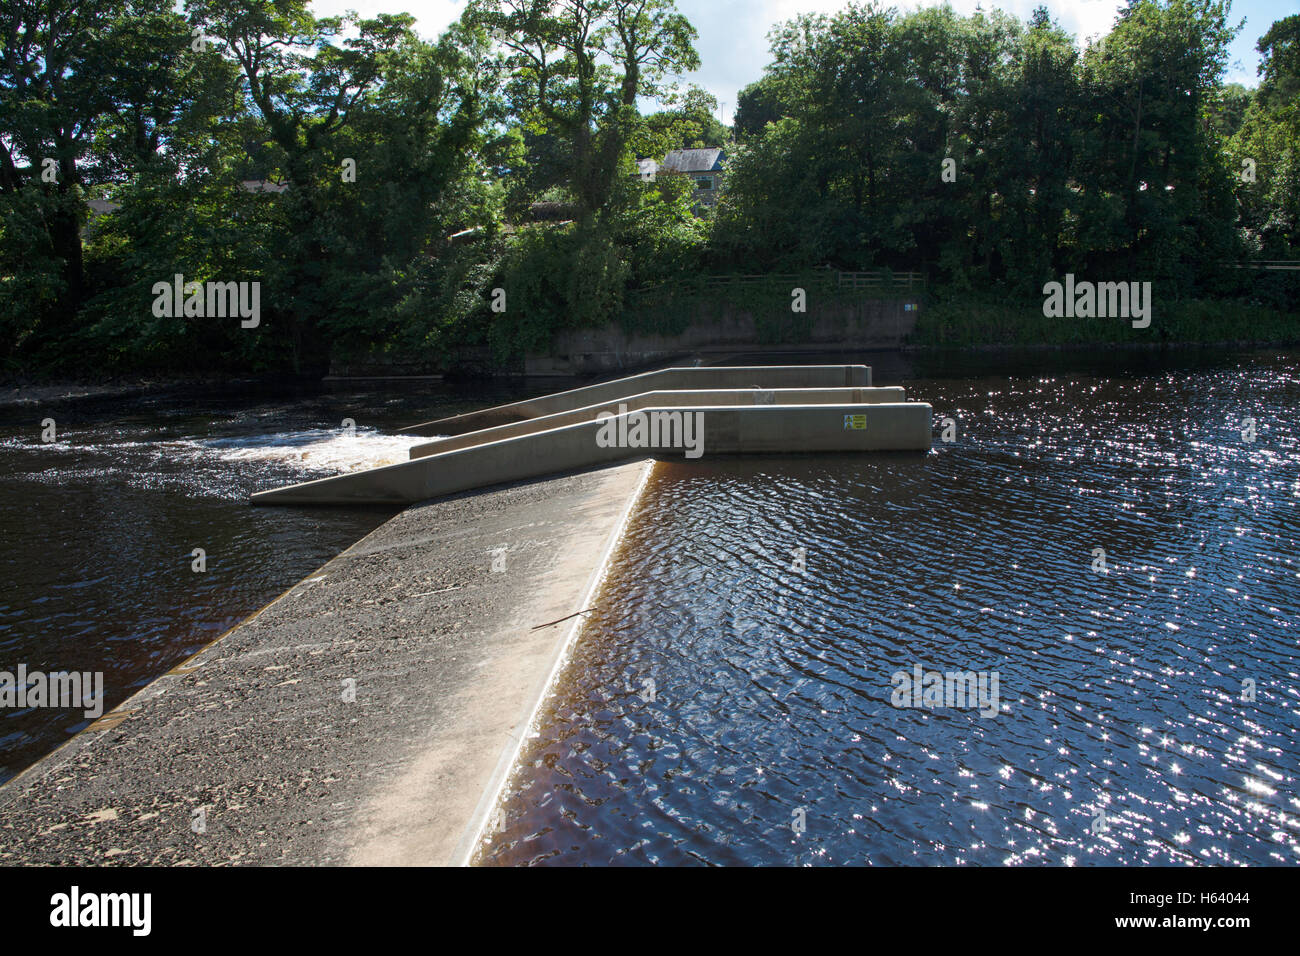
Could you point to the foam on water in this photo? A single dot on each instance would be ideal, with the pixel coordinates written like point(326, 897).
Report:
point(317, 449)
point(222, 466)
point(314, 449)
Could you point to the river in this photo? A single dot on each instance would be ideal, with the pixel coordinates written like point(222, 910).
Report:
point(730, 703)
point(734, 698)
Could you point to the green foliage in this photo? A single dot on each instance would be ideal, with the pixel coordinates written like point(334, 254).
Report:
point(961, 321)
point(556, 279)
point(31, 273)
point(1123, 159)
point(671, 307)
point(692, 124)
point(1269, 140)
point(757, 105)
point(577, 70)
point(1056, 162)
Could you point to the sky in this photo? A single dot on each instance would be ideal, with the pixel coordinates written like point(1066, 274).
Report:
point(733, 33)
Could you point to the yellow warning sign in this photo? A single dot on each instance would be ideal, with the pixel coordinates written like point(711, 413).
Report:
point(856, 422)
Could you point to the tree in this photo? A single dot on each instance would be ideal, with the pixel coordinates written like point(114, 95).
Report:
point(409, 114)
point(579, 67)
point(65, 85)
point(757, 105)
point(1268, 142)
point(691, 123)
point(1150, 86)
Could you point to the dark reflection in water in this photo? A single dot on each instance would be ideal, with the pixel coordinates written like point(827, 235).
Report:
point(719, 699)
point(97, 528)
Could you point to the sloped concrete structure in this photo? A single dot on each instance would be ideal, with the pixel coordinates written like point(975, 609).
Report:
point(667, 399)
point(449, 660)
point(778, 409)
point(763, 429)
point(668, 379)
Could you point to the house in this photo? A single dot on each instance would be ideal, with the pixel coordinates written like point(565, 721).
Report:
point(704, 166)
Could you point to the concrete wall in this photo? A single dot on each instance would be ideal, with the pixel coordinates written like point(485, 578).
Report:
point(758, 429)
point(830, 325)
point(762, 376)
point(667, 399)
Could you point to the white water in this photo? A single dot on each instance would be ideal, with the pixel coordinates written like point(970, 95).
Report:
point(316, 449)
point(230, 466)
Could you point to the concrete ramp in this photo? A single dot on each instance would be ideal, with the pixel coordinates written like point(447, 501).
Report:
point(691, 432)
point(668, 379)
point(666, 399)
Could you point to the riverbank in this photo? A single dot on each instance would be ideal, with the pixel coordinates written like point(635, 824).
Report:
point(366, 716)
point(942, 324)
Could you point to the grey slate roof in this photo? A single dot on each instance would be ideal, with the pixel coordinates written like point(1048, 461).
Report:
point(693, 160)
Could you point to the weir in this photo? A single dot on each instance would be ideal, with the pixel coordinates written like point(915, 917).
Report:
point(667, 379)
point(776, 412)
point(680, 400)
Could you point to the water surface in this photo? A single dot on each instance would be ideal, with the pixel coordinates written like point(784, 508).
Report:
point(724, 708)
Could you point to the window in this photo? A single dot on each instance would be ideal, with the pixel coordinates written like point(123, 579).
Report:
point(704, 182)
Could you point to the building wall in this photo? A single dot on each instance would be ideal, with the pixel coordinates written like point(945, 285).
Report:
point(709, 196)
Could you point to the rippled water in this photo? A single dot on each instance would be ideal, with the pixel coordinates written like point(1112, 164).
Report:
point(723, 708)
point(98, 527)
